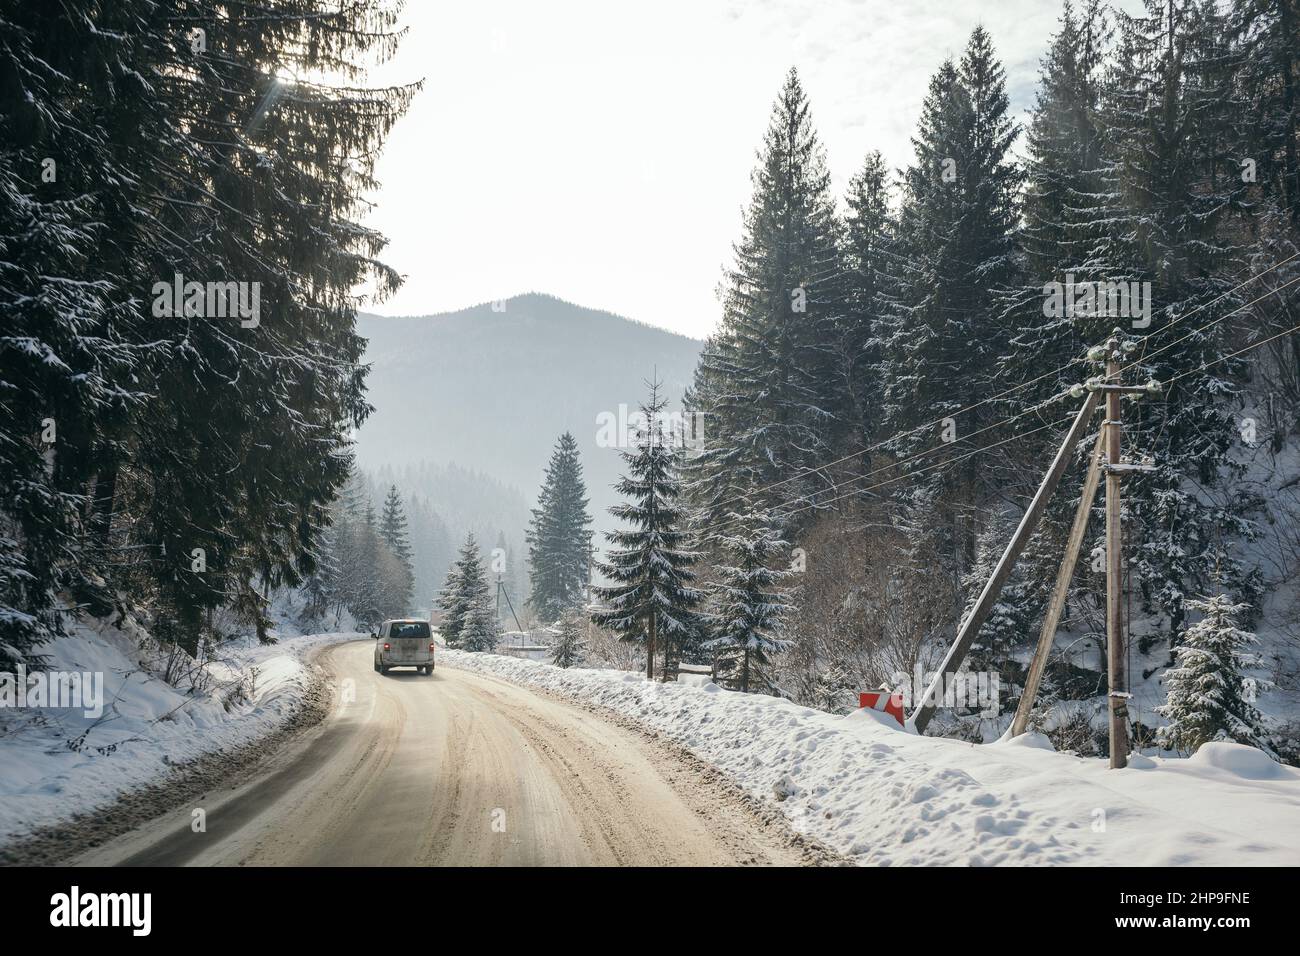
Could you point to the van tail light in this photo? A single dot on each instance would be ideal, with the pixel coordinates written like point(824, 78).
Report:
point(387, 646)
point(431, 646)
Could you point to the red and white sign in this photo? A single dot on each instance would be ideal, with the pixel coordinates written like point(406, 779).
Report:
point(885, 702)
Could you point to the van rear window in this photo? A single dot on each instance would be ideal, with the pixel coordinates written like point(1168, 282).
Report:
point(410, 629)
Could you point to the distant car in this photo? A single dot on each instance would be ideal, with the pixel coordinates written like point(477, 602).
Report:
point(404, 643)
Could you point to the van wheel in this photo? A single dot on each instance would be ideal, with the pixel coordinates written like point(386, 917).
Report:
point(383, 668)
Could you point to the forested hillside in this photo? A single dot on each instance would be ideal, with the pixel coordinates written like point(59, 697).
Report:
point(893, 368)
point(490, 388)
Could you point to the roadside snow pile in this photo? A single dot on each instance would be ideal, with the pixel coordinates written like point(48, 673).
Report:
point(864, 787)
point(56, 763)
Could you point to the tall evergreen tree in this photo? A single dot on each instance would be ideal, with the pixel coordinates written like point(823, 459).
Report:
point(366, 601)
point(322, 589)
point(868, 247)
point(559, 541)
point(398, 584)
point(768, 383)
point(1167, 199)
point(482, 629)
point(650, 600)
point(943, 331)
point(749, 603)
point(1267, 35)
point(464, 596)
point(1063, 181)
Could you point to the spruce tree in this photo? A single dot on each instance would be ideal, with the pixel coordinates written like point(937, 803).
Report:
point(957, 253)
point(399, 581)
point(769, 383)
point(1207, 697)
point(463, 599)
point(1267, 61)
point(1164, 219)
point(482, 630)
point(559, 541)
point(568, 649)
point(868, 247)
point(1063, 180)
point(749, 604)
point(367, 585)
point(651, 600)
point(943, 330)
point(321, 588)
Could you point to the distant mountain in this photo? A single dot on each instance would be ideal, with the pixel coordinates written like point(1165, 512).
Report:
point(492, 390)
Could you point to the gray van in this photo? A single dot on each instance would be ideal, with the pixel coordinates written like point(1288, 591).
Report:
point(404, 643)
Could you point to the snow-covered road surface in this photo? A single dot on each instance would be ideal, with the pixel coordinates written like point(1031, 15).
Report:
point(879, 796)
point(461, 769)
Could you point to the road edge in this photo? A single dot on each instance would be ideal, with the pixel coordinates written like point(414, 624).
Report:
point(58, 843)
point(706, 774)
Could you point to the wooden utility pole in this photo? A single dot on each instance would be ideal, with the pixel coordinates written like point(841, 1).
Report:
point(988, 597)
point(1116, 693)
point(591, 556)
point(1056, 604)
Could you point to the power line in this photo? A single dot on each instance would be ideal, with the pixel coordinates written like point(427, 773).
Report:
point(938, 464)
point(1006, 421)
point(808, 470)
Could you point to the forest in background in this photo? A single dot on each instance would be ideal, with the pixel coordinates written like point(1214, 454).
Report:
point(891, 374)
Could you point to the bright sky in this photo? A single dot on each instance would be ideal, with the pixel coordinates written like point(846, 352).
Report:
point(601, 151)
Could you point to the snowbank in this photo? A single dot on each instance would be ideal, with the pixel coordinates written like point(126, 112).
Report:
point(58, 763)
point(882, 796)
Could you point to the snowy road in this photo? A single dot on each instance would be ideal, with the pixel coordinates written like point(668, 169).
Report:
point(459, 769)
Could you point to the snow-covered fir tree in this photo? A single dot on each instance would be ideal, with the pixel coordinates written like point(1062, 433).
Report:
point(465, 600)
point(869, 234)
point(366, 555)
point(956, 251)
point(1164, 218)
point(1207, 696)
point(322, 588)
point(941, 337)
point(559, 540)
point(482, 630)
point(768, 382)
point(1267, 72)
point(650, 599)
point(398, 581)
point(568, 645)
point(749, 604)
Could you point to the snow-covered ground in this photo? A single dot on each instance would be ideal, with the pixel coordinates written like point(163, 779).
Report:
point(863, 786)
point(58, 763)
